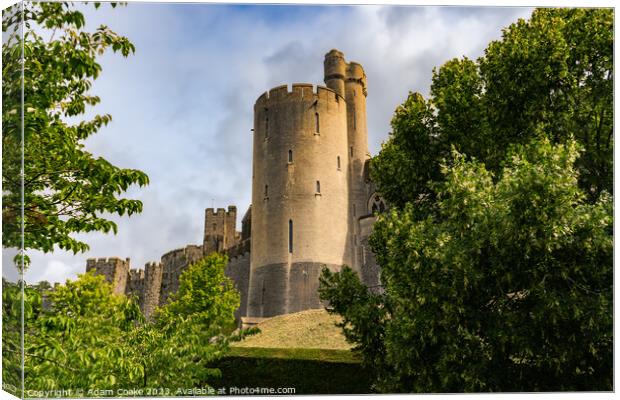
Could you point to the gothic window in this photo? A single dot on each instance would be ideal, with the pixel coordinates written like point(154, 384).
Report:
point(290, 156)
point(316, 122)
point(376, 204)
point(290, 235)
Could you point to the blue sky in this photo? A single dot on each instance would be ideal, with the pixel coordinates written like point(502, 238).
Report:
point(182, 105)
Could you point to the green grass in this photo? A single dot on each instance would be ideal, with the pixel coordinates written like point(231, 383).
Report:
point(309, 371)
point(310, 329)
point(326, 355)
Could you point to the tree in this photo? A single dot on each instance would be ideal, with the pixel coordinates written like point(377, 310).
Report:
point(507, 288)
point(190, 331)
point(66, 188)
point(74, 336)
point(82, 336)
point(496, 254)
point(550, 76)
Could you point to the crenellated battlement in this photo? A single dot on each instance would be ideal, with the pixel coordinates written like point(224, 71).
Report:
point(114, 269)
point(103, 260)
point(298, 92)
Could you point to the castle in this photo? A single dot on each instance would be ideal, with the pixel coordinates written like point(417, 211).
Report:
point(313, 204)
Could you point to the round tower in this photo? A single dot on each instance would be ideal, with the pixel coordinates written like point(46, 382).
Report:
point(300, 197)
point(357, 131)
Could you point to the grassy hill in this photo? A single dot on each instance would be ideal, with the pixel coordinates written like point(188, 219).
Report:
point(304, 351)
point(310, 329)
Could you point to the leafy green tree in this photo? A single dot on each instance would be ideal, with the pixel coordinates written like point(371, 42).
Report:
point(82, 336)
point(550, 76)
point(74, 337)
point(508, 287)
point(66, 188)
point(363, 318)
point(190, 331)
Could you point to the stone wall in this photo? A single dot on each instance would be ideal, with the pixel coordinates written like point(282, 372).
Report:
point(114, 269)
point(174, 263)
point(152, 287)
point(135, 285)
point(238, 269)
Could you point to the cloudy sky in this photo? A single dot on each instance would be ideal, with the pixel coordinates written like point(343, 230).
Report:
point(182, 105)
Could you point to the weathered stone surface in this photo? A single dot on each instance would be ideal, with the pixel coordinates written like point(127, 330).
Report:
point(114, 269)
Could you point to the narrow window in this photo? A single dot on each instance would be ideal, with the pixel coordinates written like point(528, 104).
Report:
point(316, 122)
point(354, 119)
point(290, 235)
point(354, 210)
point(338, 159)
point(351, 151)
point(262, 299)
point(266, 128)
point(290, 156)
point(266, 190)
point(318, 187)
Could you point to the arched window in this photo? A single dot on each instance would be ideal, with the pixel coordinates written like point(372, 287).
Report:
point(290, 156)
point(318, 186)
point(290, 235)
point(316, 122)
point(338, 160)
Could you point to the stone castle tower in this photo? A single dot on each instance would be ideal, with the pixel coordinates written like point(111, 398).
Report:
point(313, 205)
point(309, 151)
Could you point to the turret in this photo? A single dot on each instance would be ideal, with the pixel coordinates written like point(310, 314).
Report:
point(335, 71)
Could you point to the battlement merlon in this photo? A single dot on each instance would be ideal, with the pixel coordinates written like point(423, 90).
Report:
point(220, 211)
point(298, 92)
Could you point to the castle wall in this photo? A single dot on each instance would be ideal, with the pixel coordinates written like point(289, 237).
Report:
point(135, 284)
point(174, 263)
point(152, 287)
point(238, 269)
point(113, 269)
point(285, 191)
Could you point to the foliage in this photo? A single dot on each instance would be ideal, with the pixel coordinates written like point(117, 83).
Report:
point(188, 331)
point(550, 76)
point(82, 336)
point(74, 335)
point(507, 288)
point(363, 317)
point(66, 188)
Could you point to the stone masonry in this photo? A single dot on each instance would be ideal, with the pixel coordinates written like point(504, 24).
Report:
point(313, 204)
